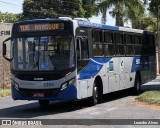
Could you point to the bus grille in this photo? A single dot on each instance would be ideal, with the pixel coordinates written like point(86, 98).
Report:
point(47, 93)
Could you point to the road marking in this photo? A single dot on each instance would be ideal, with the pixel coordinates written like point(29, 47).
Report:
point(87, 110)
point(111, 109)
point(95, 113)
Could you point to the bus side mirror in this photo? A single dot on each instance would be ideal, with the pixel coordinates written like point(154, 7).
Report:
point(5, 50)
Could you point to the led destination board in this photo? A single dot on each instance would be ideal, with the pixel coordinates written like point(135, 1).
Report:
point(41, 27)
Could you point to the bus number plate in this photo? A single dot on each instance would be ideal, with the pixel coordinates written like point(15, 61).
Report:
point(38, 94)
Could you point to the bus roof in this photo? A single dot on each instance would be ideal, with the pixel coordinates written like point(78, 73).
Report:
point(40, 20)
point(130, 30)
point(109, 27)
point(95, 25)
point(84, 23)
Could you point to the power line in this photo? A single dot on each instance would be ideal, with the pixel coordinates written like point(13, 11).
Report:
point(10, 4)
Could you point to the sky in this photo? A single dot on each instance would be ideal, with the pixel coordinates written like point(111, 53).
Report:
point(11, 6)
point(15, 6)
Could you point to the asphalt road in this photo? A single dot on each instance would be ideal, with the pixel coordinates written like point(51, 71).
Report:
point(119, 105)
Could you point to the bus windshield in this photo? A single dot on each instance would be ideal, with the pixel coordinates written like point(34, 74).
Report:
point(43, 53)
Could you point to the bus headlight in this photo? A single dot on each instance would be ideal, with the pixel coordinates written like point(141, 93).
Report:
point(64, 85)
point(71, 81)
point(16, 85)
point(67, 83)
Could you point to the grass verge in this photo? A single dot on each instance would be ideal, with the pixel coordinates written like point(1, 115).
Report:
point(151, 97)
point(5, 92)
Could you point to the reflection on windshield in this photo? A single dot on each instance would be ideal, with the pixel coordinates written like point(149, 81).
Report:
point(43, 53)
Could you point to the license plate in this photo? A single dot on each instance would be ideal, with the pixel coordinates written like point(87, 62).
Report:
point(38, 94)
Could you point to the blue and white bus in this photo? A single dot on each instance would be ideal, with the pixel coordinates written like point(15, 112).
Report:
point(70, 59)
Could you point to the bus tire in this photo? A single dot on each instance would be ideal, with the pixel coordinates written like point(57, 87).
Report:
point(43, 103)
point(137, 84)
point(97, 94)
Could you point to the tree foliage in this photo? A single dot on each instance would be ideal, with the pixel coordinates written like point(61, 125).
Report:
point(90, 8)
point(153, 7)
point(121, 9)
point(9, 17)
point(146, 22)
point(35, 9)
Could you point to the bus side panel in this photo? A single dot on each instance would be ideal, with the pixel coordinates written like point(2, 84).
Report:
point(96, 66)
point(90, 87)
point(126, 77)
point(83, 88)
point(113, 75)
point(105, 84)
point(146, 65)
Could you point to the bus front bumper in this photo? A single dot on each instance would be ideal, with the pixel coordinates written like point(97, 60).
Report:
point(69, 93)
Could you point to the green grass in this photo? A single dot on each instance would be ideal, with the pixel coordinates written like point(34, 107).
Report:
point(5, 92)
point(151, 97)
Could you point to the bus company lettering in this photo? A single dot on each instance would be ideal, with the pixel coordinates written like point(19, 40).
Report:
point(4, 33)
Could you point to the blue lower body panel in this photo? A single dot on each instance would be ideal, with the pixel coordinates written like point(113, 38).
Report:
point(70, 93)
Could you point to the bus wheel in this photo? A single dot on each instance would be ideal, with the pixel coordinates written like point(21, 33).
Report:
point(95, 95)
point(137, 84)
point(43, 103)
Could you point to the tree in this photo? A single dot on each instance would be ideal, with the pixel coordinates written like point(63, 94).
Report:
point(90, 8)
point(121, 8)
point(33, 9)
point(71, 8)
point(103, 10)
point(146, 22)
point(136, 16)
point(153, 7)
point(9, 17)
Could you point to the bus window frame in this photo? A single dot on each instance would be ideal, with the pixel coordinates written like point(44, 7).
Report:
point(129, 44)
point(138, 44)
point(119, 44)
point(106, 43)
point(101, 42)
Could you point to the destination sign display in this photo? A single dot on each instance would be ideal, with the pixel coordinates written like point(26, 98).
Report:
point(41, 27)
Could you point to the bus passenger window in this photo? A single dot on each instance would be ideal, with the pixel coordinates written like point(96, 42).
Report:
point(119, 44)
point(108, 38)
point(138, 39)
point(97, 49)
point(138, 44)
point(119, 38)
point(97, 42)
point(97, 36)
point(129, 45)
point(109, 48)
